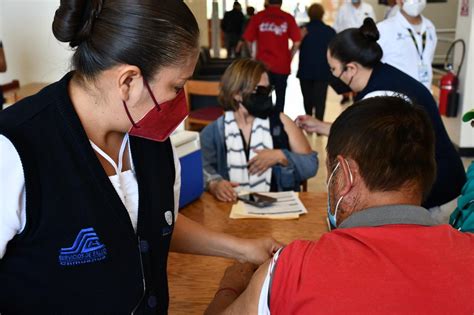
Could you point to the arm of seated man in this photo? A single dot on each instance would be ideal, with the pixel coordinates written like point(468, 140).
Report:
point(253, 299)
point(227, 301)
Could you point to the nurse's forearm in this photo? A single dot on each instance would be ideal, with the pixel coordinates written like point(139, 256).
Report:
point(192, 238)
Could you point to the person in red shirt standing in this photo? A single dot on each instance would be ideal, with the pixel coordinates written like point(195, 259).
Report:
point(387, 255)
point(271, 29)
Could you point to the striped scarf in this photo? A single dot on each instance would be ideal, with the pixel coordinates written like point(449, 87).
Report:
point(260, 138)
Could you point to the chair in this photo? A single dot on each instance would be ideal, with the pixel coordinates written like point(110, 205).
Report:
point(9, 88)
point(200, 117)
point(15, 84)
point(304, 186)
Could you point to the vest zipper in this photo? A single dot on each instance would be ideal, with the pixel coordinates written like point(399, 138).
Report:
point(143, 279)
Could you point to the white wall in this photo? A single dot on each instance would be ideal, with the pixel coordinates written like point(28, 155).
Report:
point(462, 133)
point(199, 9)
point(31, 51)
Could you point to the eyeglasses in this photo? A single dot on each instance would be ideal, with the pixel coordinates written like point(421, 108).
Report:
point(264, 90)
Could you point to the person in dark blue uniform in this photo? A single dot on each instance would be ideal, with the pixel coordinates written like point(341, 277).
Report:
point(313, 70)
point(354, 57)
point(90, 208)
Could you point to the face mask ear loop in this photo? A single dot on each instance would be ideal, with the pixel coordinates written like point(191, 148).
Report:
point(350, 173)
point(327, 185)
point(152, 95)
point(342, 197)
point(337, 208)
point(350, 81)
point(330, 177)
point(129, 116)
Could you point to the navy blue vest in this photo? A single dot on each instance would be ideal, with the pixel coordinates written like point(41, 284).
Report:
point(79, 252)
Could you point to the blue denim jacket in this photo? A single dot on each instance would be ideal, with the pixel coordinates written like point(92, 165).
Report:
point(214, 158)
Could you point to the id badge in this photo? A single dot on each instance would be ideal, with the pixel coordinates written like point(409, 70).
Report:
point(423, 73)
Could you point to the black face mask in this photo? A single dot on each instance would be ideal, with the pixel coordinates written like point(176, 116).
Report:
point(259, 104)
point(338, 85)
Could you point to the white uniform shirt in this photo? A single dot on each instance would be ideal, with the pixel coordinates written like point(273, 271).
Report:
point(391, 12)
point(399, 49)
point(13, 195)
point(349, 16)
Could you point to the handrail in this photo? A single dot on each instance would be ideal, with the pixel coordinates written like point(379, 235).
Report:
point(446, 30)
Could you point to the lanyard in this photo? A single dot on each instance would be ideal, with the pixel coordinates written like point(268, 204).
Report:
point(423, 43)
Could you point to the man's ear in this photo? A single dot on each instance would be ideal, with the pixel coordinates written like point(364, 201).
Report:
point(129, 81)
point(347, 174)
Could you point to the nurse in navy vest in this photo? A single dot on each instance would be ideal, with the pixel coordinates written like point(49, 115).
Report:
point(89, 211)
point(354, 57)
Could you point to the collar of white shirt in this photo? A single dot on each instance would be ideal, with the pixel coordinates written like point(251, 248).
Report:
point(405, 24)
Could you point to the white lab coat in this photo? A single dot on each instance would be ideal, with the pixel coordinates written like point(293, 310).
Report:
point(400, 51)
point(349, 16)
point(391, 11)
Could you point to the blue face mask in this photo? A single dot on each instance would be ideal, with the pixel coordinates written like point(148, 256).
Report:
point(333, 217)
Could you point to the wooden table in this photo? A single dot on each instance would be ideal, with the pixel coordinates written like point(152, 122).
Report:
point(23, 91)
point(193, 280)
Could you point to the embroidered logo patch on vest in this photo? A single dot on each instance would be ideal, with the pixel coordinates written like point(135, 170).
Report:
point(87, 248)
point(169, 217)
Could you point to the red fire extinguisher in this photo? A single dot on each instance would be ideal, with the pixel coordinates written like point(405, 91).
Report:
point(448, 84)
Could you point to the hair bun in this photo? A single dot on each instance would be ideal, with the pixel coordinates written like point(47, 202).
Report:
point(369, 30)
point(74, 19)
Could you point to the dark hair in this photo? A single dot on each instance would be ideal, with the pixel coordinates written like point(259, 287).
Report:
point(358, 44)
point(275, 2)
point(390, 139)
point(316, 12)
point(146, 33)
point(242, 76)
point(250, 11)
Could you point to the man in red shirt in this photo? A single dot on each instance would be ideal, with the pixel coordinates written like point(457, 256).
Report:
point(387, 255)
point(271, 29)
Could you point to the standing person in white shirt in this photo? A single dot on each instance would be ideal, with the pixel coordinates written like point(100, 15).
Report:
point(392, 9)
point(408, 41)
point(351, 15)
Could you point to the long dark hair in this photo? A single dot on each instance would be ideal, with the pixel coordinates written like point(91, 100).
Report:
point(358, 44)
point(149, 34)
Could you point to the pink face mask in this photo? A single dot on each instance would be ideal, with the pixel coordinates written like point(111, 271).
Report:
point(161, 120)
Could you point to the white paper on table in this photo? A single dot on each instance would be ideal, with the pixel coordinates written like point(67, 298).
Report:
point(287, 203)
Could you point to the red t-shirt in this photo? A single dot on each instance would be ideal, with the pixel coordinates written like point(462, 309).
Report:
point(392, 269)
point(272, 28)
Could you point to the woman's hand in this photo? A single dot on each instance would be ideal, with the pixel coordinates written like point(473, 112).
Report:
point(223, 190)
point(311, 124)
point(259, 250)
point(265, 159)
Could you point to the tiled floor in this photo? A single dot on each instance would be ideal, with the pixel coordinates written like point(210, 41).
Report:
point(294, 107)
